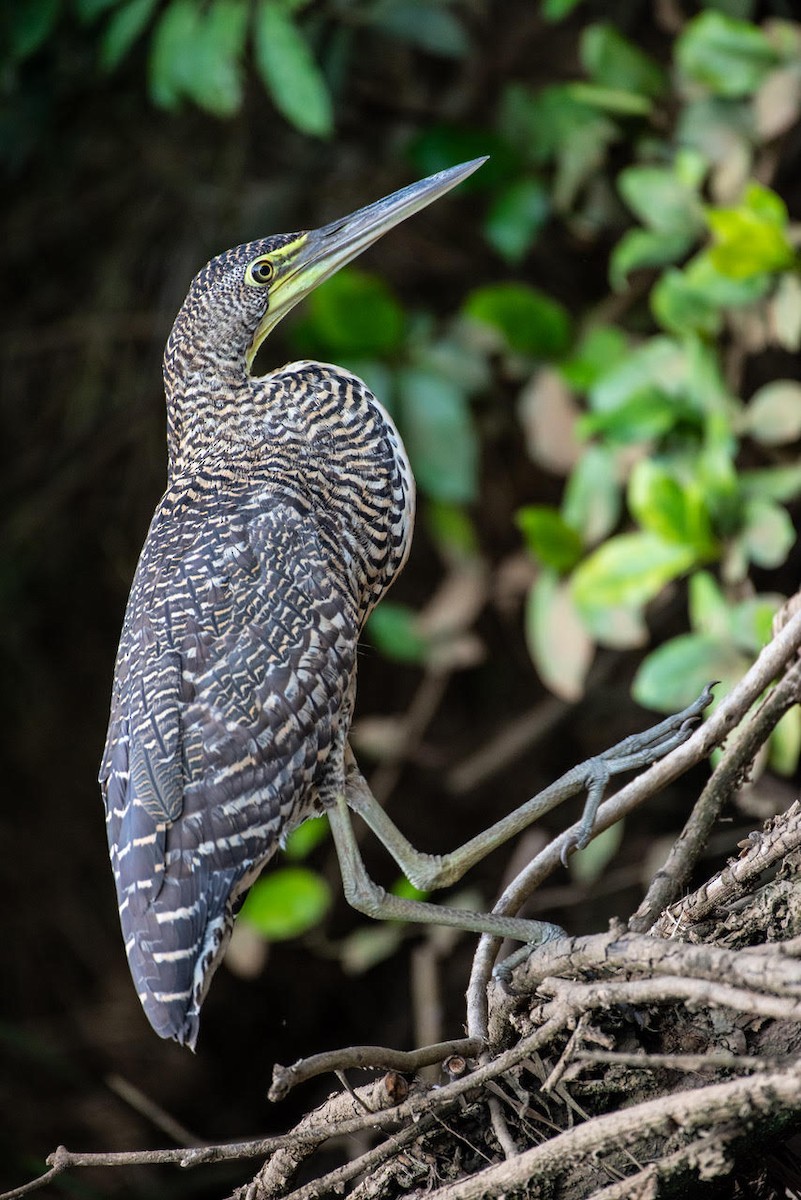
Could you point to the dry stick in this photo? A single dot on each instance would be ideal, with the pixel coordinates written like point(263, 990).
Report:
point(694, 992)
point(313, 1132)
point(426, 1113)
point(695, 1156)
point(151, 1111)
point(727, 777)
point(694, 750)
point(737, 876)
point(715, 1060)
point(334, 1181)
point(606, 954)
point(743, 1101)
point(366, 1058)
point(279, 1170)
point(501, 1129)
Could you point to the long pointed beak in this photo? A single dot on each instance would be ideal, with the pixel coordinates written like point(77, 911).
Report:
point(314, 256)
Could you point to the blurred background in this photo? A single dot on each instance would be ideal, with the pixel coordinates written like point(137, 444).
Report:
point(591, 351)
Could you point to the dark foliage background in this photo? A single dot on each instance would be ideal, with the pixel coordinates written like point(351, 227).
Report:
point(110, 205)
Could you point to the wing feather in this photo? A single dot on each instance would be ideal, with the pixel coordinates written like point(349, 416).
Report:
point(235, 669)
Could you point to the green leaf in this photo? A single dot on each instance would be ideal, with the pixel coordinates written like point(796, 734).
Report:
point(549, 537)
point(440, 438)
point(673, 675)
point(285, 903)
point(218, 87)
point(195, 53)
point(173, 54)
point(714, 129)
point(681, 308)
point(673, 510)
point(557, 10)
point(718, 479)
point(772, 483)
point(122, 30)
point(516, 216)
point(613, 100)
point(785, 313)
point(600, 348)
point(592, 500)
point(423, 24)
point(751, 621)
point(629, 570)
point(660, 199)
point(288, 70)
point(657, 368)
point(752, 238)
point(455, 356)
point(690, 300)
point(88, 11)
point(440, 146)
point(406, 890)
point(530, 322)
point(726, 56)
point(451, 528)
point(710, 611)
point(305, 838)
point(768, 535)
point(773, 415)
point(557, 641)
point(640, 248)
point(30, 23)
point(355, 313)
point(589, 864)
point(392, 628)
point(618, 627)
point(644, 416)
point(612, 60)
point(368, 945)
point(553, 126)
point(541, 124)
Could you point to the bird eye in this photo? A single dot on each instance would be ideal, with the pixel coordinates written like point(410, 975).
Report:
point(259, 272)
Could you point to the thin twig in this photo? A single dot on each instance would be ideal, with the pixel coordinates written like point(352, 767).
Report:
point(314, 1132)
point(334, 1181)
point(33, 1185)
point(695, 992)
point(744, 1100)
point(501, 1129)
point(414, 723)
point(727, 777)
point(698, 746)
point(645, 1183)
point(714, 1060)
point(151, 1111)
point(769, 847)
point(279, 1170)
point(366, 1058)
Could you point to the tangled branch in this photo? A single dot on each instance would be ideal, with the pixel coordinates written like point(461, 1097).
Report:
point(557, 1084)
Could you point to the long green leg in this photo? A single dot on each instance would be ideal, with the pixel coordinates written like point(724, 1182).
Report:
point(431, 871)
point(369, 898)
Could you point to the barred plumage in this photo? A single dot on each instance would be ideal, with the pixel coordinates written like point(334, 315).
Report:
point(287, 515)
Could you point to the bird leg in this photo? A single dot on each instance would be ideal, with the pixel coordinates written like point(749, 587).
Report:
point(431, 871)
point(369, 898)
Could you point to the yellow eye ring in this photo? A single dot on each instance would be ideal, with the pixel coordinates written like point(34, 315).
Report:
point(259, 272)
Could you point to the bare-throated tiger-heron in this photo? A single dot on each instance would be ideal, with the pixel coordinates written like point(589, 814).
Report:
point(287, 515)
